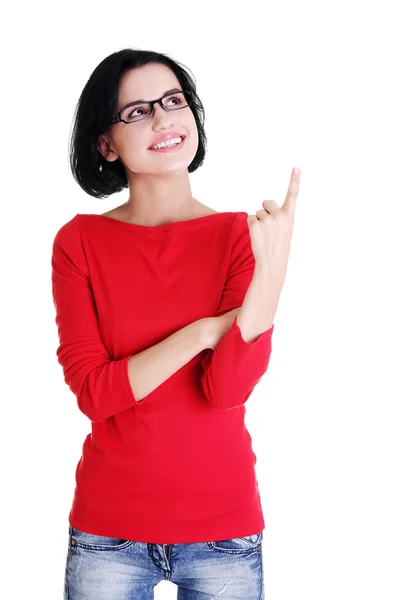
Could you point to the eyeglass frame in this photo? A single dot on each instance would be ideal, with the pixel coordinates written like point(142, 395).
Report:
point(118, 118)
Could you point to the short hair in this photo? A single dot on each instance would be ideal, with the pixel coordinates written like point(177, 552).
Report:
point(96, 106)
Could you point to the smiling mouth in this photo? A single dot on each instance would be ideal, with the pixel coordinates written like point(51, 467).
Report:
point(170, 147)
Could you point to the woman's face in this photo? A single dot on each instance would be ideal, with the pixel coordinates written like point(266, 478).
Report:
point(130, 142)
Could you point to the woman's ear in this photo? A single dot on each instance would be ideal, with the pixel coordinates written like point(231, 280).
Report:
point(105, 148)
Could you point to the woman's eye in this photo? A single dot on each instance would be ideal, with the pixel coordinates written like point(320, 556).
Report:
point(177, 100)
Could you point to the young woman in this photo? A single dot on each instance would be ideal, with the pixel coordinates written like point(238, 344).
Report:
point(148, 300)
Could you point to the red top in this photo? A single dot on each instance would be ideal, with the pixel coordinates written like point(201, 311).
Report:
point(178, 466)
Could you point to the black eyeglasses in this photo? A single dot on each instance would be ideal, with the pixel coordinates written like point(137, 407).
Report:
point(130, 113)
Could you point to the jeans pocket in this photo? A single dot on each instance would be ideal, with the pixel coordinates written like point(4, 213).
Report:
point(91, 541)
point(239, 545)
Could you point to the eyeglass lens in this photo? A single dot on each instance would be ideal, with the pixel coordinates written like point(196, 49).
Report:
point(141, 111)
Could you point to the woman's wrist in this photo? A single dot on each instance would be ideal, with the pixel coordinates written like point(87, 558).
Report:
point(209, 332)
point(218, 327)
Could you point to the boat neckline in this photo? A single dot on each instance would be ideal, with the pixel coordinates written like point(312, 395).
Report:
point(151, 228)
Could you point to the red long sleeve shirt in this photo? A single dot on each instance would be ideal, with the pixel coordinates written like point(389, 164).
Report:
point(178, 466)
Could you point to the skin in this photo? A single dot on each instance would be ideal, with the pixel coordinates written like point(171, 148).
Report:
point(159, 185)
point(271, 230)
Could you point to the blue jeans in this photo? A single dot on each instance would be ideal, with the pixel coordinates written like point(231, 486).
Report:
point(107, 568)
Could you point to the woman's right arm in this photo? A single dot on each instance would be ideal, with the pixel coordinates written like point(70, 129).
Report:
point(151, 367)
point(104, 387)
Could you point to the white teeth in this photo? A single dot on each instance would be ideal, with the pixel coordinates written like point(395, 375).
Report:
point(168, 143)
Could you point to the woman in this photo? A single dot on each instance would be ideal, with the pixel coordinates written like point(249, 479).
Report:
point(147, 298)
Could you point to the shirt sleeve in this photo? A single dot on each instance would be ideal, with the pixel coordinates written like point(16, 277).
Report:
point(233, 369)
point(101, 386)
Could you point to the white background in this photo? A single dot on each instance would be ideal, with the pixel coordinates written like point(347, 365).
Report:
point(284, 84)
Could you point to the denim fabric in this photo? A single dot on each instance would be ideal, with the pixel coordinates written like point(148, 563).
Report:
point(106, 568)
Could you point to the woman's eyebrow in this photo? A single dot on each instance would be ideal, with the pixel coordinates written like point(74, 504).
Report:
point(164, 94)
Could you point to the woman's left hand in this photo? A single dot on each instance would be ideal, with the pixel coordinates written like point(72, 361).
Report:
point(271, 231)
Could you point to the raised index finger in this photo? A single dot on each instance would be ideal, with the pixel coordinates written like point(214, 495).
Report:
point(290, 201)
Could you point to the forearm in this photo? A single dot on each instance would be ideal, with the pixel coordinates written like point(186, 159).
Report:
point(151, 367)
point(260, 304)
